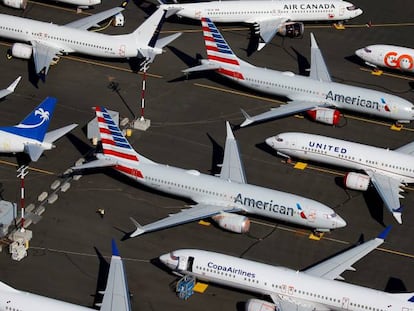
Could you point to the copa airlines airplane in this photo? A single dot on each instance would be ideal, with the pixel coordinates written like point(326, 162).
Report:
point(390, 56)
point(388, 170)
point(21, 4)
point(48, 41)
point(311, 289)
point(10, 88)
point(269, 17)
point(116, 294)
point(215, 197)
point(30, 135)
point(313, 94)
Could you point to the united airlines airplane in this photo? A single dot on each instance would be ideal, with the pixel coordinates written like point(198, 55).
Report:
point(216, 197)
point(10, 88)
point(389, 56)
point(269, 17)
point(48, 41)
point(387, 169)
point(116, 294)
point(311, 289)
point(315, 94)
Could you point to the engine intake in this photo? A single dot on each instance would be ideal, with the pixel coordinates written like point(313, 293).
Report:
point(291, 29)
point(21, 50)
point(356, 181)
point(260, 305)
point(17, 4)
point(325, 115)
point(232, 222)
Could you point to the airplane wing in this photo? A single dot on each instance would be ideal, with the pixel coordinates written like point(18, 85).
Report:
point(407, 149)
point(116, 295)
point(232, 167)
point(10, 88)
point(319, 70)
point(43, 55)
point(268, 29)
point(195, 212)
point(333, 267)
point(94, 20)
point(389, 191)
point(290, 108)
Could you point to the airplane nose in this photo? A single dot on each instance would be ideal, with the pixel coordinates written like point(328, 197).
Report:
point(168, 260)
point(270, 141)
point(359, 53)
point(340, 222)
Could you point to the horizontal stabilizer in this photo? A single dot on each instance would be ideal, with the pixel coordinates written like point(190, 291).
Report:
point(139, 229)
point(10, 89)
point(202, 67)
point(161, 43)
point(54, 135)
point(103, 162)
point(34, 151)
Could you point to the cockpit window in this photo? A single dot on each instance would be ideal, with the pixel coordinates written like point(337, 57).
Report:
point(352, 8)
point(279, 139)
point(367, 50)
point(333, 215)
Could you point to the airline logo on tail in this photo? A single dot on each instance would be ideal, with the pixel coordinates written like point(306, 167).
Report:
point(44, 116)
point(218, 50)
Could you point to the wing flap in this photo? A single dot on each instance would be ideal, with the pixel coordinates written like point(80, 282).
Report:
point(43, 56)
point(93, 20)
point(319, 70)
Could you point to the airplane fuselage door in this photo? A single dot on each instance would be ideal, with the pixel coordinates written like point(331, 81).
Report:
point(182, 263)
point(345, 303)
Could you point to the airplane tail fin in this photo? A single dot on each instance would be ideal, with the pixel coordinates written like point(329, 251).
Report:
point(35, 125)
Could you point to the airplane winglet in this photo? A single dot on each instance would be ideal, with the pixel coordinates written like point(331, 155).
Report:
point(384, 233)
point(314, 44)
point(14, 84)
point(115, 251)
point(140, 229)
point(248, 119)
point(229, 131)
point(397, 216)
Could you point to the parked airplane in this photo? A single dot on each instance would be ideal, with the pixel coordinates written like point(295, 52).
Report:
point(215, 197)
point(21, 4)
point(116, 295)
point(313, 94)
point(388, 170)
point(390, 56)
point(269, 17)
point(10, 88)
point(48, 41)
point(314, 288)
point(30, 135)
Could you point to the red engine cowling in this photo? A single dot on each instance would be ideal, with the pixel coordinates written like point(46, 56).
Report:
point(291, 29)
point(325, 115)
point(356, 181)
point(233, 222)
point(260, 305)
point(21, 50)
point(17, 4)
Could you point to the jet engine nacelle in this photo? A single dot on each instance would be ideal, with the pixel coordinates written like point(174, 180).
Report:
point(260, 305)
point(356, 181)
point(17, 4)
point(291, 29)
point(325, 115)
point(21, 50)
point(233, 222)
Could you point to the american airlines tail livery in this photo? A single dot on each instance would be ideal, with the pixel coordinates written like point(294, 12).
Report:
point(316, 94)
point(269, 17)
point(115, 297)
point(216, 197)
point(389, 56)
point(48, 41)
point(315, 288)
point(388, 170)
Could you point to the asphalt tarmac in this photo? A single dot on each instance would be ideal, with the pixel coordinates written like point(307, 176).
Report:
point(187, 130)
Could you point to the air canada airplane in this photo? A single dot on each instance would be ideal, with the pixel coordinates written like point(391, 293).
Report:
point(216, 197)
point(315, 94)
point(311, 289)
point(115, 296)
point(387, 169)
point(30, 135)
point(389, 56)
point(48, 41)
point(10, 88)
point(21, 4)
point(269, 17)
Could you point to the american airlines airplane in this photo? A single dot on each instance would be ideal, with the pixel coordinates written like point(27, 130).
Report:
point(30, 135)
point(389, 56)
point(48, 41)
point(269, 17)
point(311, 289)
point(216, 197)
point(21, 4)
point(387, 169)
point(315, 94)
point(10, 88)
point(116, 295)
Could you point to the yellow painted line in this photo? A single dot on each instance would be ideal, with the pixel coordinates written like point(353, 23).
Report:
point(30, 168)
point(388, 74)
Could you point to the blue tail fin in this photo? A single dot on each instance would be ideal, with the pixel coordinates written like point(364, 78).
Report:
point(35, 125)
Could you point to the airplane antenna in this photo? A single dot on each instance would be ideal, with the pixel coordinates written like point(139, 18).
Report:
point(22, 172)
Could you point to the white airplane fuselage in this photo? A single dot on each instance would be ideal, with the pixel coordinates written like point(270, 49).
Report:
point(397, 165)
point(251, 11)
point(335, 94)
point(11, 143)
point(202, 188)
point(284, 283)
point(71, 39)
point(389, 56)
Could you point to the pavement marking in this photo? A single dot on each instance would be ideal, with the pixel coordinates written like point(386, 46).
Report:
point(30, 168)
point(389, 74)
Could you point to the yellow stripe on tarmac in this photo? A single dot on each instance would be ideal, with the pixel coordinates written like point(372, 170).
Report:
point(30, 168)
point(388, 74)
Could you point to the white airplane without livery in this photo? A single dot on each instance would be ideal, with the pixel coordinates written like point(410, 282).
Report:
point(216, 197)
point(269, 17)
point(21, 4)
point(10, 88)
point(387, 169)
point(314, 94)
point(390, 56)
point(311, 289)
point(116, 294)
point(30, 135)
point(48, 41)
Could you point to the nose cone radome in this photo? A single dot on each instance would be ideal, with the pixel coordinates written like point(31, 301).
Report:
point(360, 53)
point(339, 222)
point(358, 12)
point(168, 260)
point(270, 141)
